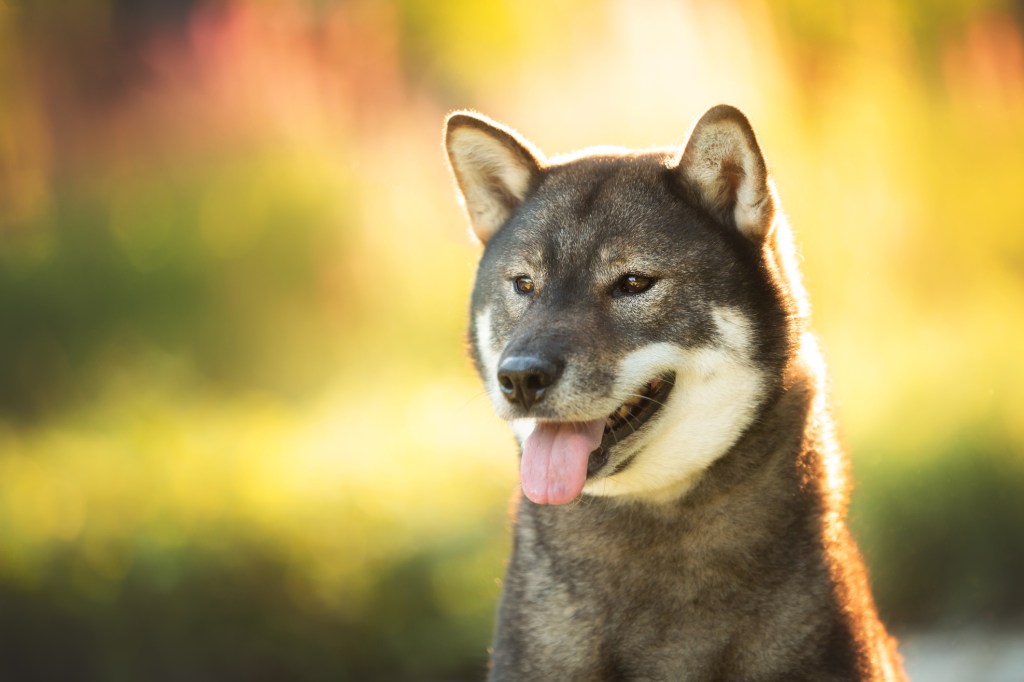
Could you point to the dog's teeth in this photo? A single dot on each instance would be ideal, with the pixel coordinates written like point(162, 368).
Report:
point(630, 411)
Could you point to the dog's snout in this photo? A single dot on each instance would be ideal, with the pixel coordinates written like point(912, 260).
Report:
point(525, 379)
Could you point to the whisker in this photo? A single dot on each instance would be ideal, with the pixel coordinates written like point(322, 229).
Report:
point(476, 397)
point(647, 398)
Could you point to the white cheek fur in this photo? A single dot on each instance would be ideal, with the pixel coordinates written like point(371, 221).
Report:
point(489, 354)
point(718, 389)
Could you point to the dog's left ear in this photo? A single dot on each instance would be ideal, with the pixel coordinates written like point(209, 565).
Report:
point(723, 165)
point(495, 169)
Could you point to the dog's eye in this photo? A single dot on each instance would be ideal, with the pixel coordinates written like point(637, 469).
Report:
point(523, 284)
point(632, 284)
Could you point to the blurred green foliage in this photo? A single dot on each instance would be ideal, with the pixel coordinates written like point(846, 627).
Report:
point(139, 269)
point(239, 435)
point(943, 532)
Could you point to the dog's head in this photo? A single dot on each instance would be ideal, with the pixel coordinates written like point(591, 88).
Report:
point(631, 310)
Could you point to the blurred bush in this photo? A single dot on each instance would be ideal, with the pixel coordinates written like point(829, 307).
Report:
point(943, 533)
point(239, 436)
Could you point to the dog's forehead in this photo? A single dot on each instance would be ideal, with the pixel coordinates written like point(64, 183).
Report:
point(602, 187)
point(596, 206)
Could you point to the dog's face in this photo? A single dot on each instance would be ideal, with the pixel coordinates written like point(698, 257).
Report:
point(623, 319)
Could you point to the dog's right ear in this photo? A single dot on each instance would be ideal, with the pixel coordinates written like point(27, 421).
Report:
point(495, 169)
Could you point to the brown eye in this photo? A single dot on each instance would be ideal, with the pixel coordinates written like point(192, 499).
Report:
point(631, 285)
point(523, 284)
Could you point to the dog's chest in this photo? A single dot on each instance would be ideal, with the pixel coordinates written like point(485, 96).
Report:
point(624, 576)
point(622, 601)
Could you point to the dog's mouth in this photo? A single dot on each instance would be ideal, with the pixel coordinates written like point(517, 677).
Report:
point(558, 457)
point(630, 417)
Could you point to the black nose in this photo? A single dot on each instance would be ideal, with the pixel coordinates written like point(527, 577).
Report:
point(524, 379)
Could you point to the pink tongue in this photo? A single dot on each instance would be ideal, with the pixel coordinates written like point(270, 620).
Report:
point(555, 455)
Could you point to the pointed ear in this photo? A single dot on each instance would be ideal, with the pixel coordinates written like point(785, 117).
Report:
point(723, 165)
point(494, 167)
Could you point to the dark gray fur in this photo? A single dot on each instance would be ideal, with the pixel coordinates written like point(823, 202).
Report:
point(751, 574)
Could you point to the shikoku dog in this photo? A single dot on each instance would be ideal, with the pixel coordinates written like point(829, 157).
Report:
point(639, 320)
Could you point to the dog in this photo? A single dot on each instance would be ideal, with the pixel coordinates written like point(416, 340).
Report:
point(639, 319)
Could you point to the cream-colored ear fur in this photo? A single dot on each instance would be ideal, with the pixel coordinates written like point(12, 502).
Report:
point(722, 162)
point(494, 167)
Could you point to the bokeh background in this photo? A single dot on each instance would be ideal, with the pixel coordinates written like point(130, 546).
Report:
point(240, 437)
